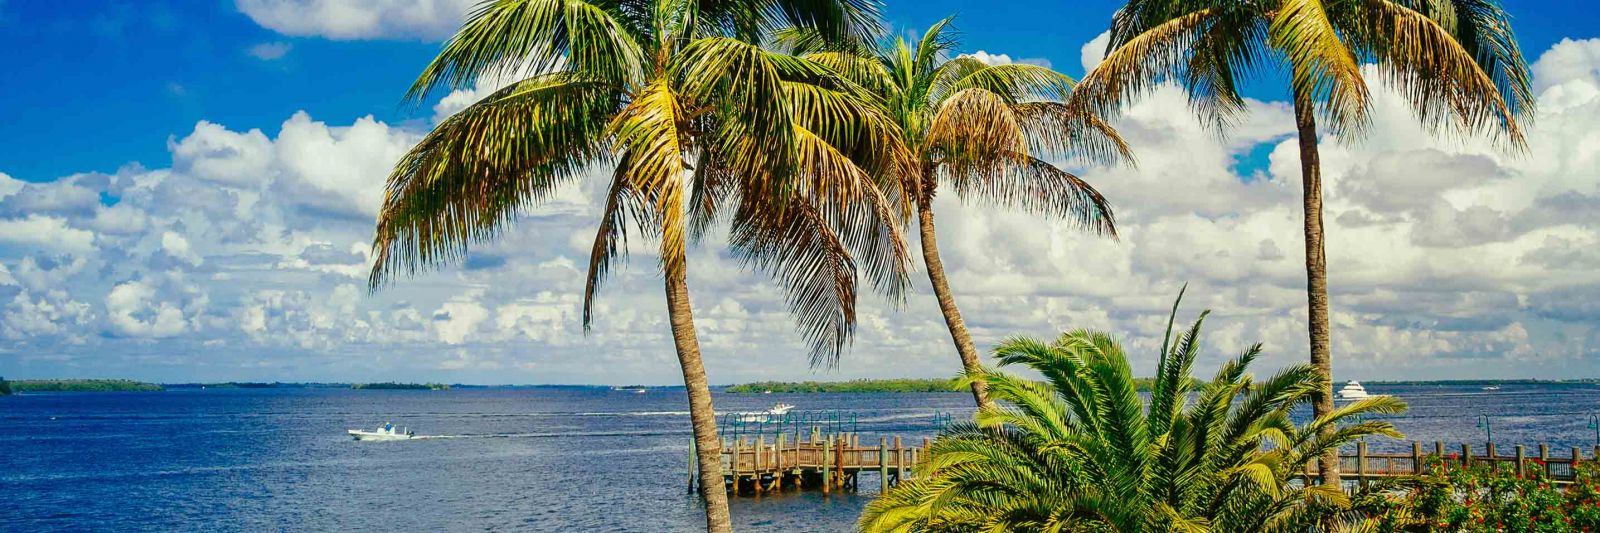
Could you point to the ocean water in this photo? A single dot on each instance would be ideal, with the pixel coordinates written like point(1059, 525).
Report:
point(566, 459)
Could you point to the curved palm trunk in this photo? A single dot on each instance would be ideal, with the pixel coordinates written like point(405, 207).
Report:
point(1316, 273)
point(947, 301)
point(708, 447)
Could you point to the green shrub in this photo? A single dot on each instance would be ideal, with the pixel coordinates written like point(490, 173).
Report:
point(1484, 499)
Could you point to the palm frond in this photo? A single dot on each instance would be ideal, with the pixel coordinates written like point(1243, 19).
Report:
point(1323, 69)
point(1444, 81)
point(474, 171)
point(505, 38)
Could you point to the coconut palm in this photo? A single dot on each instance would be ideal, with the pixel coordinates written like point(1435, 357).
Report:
point(691, 121)
point(1455, 62)
point(1079, 451)
point(985, 131)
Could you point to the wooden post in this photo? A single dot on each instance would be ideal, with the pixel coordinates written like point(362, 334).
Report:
point(1466, 455)
point(1438, 449)
point(761, 447)
point(899, 460)
point(692, 465)
point(838, 460)
point(1361, 463)
point(778, 478)
point(1544, 458)
point(1521, 471)
point(1576, 455)
point(827, 450)
point(914, 453)
point(883, 465)
point(1416, 457)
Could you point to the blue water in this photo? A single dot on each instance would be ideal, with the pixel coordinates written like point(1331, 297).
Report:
point(514, 459)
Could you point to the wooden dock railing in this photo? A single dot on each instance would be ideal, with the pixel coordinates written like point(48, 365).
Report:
point(1364, 465)
point(835, 462)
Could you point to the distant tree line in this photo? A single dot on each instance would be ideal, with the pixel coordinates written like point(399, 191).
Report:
point(400, 386)
point(81, 385)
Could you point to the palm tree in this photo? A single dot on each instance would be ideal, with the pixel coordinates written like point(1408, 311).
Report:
point(694, 121)
point(1456, 62)
point(986, 132)
point(1079, 451)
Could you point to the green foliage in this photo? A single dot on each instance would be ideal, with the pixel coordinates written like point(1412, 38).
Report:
point(389, 385)
point(5, 387)
point(1481, 499)
point(83, 385)
point(1079, 451)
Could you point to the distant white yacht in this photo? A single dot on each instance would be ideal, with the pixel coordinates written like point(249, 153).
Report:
point(384, 432)
point(1353, 391)
point(777, 411)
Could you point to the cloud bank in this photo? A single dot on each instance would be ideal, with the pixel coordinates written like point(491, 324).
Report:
point(245, 259)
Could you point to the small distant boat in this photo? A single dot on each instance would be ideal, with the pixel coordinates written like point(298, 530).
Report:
point(765, 416)
point(639, 391)
point(1353, 391)
point(1492, 387)
point(384, 432)
point(635, 390)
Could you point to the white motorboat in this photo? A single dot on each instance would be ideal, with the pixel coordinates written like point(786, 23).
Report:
point(1353, 391)
point(1492, 388)
point(384, 432)
point(777, 411)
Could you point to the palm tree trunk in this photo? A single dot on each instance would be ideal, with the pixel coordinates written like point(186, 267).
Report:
point(708, 447)
point(947, 301)
point(1316, 273)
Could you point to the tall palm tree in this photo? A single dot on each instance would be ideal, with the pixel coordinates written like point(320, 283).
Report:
point(985, 131)
point(694, 121)
point(1456, 62)
point(1080, 451)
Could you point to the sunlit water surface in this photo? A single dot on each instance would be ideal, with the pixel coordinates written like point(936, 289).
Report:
point(567, 459)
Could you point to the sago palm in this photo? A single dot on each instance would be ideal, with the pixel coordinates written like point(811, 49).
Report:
point(1080, 451)
point(1456, 62)
point(690, 120)
point(985, 131)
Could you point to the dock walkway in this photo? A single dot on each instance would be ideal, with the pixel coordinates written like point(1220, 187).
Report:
point(836, 462)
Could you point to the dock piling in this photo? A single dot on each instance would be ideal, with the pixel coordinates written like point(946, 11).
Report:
point(693, 466)
point(883, 465)
point(1416, 457)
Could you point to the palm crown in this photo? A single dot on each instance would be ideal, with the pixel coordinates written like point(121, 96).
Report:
point(696, 117)
point(985, 130)
point(1455, 61)
point(1080, 451)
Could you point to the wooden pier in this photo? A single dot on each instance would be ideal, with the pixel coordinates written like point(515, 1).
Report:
point(835, 462)
point(808, 462)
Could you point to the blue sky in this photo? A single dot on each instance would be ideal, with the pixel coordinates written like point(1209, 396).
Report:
point(114, 77)
point(187, 189)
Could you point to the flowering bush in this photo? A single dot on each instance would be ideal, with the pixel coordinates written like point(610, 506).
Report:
point(1483, 498)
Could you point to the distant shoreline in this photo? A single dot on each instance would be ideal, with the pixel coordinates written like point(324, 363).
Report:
point(23, 386)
